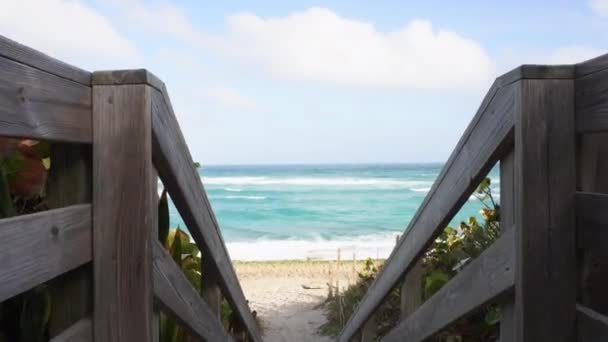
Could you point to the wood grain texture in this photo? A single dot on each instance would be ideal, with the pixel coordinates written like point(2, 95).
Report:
point(592, 66)
point(175, 168)
point(592, 103)
point(69, 183)
point(35, 59)
point(122, 213)
point(175, 296)
point(592, 326)
point(81, 331)
point(42, 106)
point(121, 77)
point(507, 219)
point(487, 277)
point(593, 266)
point(489, 135)
point(592, 222)
point(412, 290)
point(545, 170)
point(38, 247)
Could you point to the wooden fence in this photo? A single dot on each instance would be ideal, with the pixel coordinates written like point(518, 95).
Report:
point(548, 128)
point(113, 134)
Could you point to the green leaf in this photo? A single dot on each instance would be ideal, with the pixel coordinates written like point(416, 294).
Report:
point(163, 218)
point(7, 208)
point(434, 281)
point(176, 247)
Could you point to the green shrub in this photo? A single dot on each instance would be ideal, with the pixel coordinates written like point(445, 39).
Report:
point(450, 251)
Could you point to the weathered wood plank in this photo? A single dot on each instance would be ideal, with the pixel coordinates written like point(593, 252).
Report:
point(210, 288)
point(39, 105)
point(412, 290)
point(369, 331)
point(69, 183)
point(38, 247)
point(592, 326)
point(35, 59)
point(592, 222)
point(81, 331)
point(121, 77)
point(486, 278)
point(545, 170)
point(175, 168)
point(122, 213)
point(593, 265)
point(487, 138)
point(175, 295)
point(592, 66)
point(592, 103)
point(507, 219)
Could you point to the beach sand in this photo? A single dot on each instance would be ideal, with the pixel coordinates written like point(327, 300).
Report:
point(287, 310)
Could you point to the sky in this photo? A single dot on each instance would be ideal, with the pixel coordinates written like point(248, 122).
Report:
point(284, 82)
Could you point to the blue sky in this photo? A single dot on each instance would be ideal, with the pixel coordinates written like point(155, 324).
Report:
point(257, 82)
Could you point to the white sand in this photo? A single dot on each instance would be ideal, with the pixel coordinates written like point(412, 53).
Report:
point(287, 311)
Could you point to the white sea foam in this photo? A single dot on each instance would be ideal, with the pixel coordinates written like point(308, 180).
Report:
point(233, 189)
point(313, 181)
point(372, 246)
point(420, 189)
point(247, 197)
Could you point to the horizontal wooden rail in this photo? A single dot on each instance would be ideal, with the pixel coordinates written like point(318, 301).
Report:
point(488, 137)
point(591, 66)
point(592, 222)
point(592, 326)
point(483, 280)
point(175, 295)
point(39, 105)
point(35, 59)
point(38, 247)
point(81, 331)
point(175, 168)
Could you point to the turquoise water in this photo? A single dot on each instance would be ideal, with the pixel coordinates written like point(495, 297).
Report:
point(308, 211)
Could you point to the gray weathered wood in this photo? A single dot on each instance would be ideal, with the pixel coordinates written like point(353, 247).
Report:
point(486, 278)
point(28, 56)
point(412, 290)
point(593, 266)
point(121, 77)
point(592, 103)
point(81, 331)
point(122, 213)
point(507, 219)
point(210, 289)
point(154, 238)
point(592, 66)
point(42, 106)
point(592, 222)
point(175, 295)
point(592, 326)
point(69, 183)
point(545, 170)
point(483, 143)
point(369, 331)
point(175, 168)
point(38, 247)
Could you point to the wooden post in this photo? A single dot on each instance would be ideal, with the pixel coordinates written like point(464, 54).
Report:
point(507, 218)
point(69, 183)
point(593, 266)
point(411, 290)
point(123, 210)
point(545, 173)
point(369, 330)
point(210, 289)
point(153, 238)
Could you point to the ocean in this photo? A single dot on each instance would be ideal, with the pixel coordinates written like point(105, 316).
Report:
point(277, 212)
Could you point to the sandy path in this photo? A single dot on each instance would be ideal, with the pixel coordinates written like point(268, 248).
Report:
point(287, 311)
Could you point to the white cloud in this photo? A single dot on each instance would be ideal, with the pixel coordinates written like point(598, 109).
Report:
point(600, 7)
point(65, 29)
point(230, 98)
point(318, 45)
